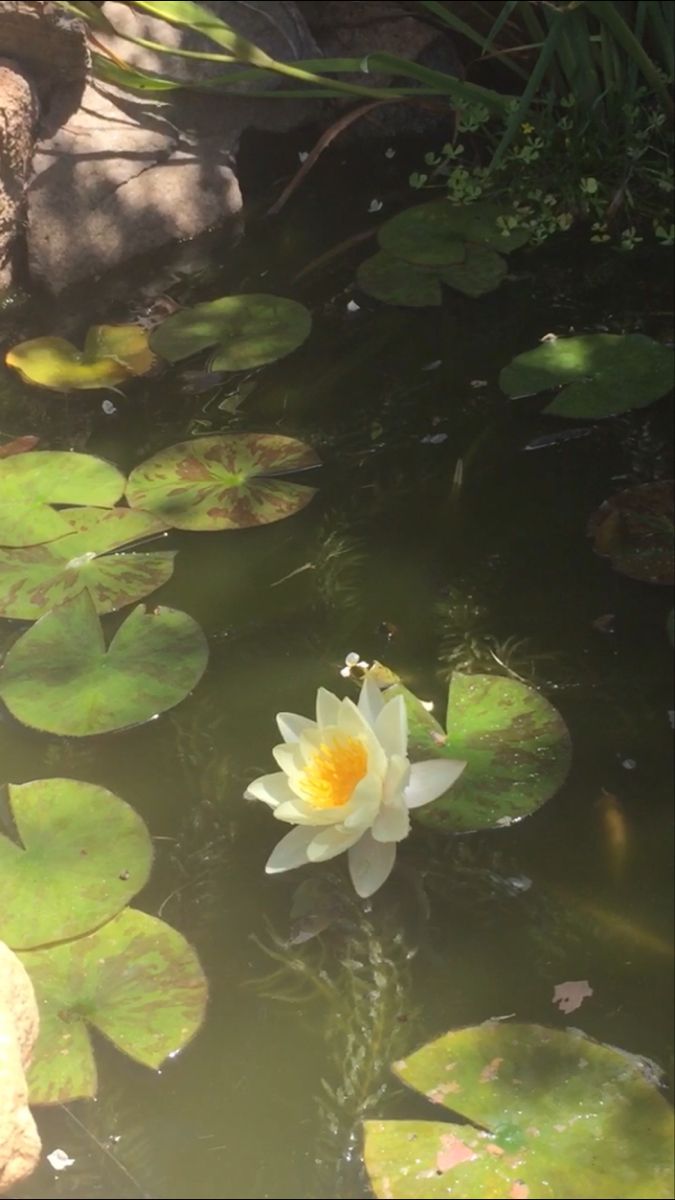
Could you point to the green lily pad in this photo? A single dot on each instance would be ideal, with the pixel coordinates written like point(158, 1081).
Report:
point(112, 353)
point(516, 746)
point(83, 854)
point(60, 678)
point(554, 1114)
point(135, 980)
point(34, 579)
point(223, 482)
point(31, 483)
point(436, 234)
point(634, 529)
point(397, 282)
point(481, 272)
point(603, 373)
point(247, 331)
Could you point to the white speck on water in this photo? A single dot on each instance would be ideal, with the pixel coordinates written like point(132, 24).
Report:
point(390, 152)
point(374, 206)
point(108, 408)
point(434, 439)
point(303, 155)
point(353, 307)
point(629, 764)
point(59, 1160)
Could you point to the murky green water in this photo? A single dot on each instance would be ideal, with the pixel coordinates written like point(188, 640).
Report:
point(392, 561)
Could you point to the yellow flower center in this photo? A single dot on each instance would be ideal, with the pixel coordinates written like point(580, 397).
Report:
point(333, 772)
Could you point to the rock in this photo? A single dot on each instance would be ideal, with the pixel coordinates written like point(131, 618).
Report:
point(19, 107)
point(19, 1141)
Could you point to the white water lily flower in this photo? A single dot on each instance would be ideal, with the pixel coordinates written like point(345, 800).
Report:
point(346, 783)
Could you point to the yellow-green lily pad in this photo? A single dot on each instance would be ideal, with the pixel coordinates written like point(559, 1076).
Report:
point(600, 374)
point(552, 1114)
point(247, 331)
point(83, 853)
point(31, 484)
point(59, 676)
point(223, 482)
point(35, 579)
point(436, 234)
point(112, 354)
point(514, 742)
point(135, 980)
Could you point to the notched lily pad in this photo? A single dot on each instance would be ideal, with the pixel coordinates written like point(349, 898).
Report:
point(112, 354)
point(34, 579)
point(436, 234)
point(246, 331)
point(225, 482)
point(30, 484)
point(545, 1107)
point(394, 281)
point(516, 746)
point(481, 272)
point(83, 853)
point(135, 980)
point(634, 530)
point(60, 678)
point(601, 374)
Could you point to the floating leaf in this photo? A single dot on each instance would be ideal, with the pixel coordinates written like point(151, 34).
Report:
point(246, 330)
point(553, 1114)
point(481, 272)
point(112, 353)
point(634, 529)
point(515, 744)
point(604, 373)
point(60, 678)
point(31, 483)
point(436, 234)
point(397, 282)
point(35, 579)
point(20, 445)
point(135, 979)
point(83, 854)
point(223, 482)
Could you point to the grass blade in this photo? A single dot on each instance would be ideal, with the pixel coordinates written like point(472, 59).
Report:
point(610, 17)
point(539, 71)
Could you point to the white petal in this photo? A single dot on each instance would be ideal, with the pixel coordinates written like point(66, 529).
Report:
point(362, 807)
point(370, 701)
point(290, 852)
point(330, 842)
point(271, 789)
point(370, 864)
point(291, 725)
point(392, 823)
point(391, 727)
point(327, 707)
point(289, 757)
point(299, 812)
point(351, 720)
point(396, 779)
point(430, 779)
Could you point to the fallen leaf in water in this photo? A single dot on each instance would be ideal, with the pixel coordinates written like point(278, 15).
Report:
point(453, 1151)
point(571, 995)
point(19, 445)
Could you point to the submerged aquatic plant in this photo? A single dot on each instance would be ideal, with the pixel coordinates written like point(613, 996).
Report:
point(346, 784)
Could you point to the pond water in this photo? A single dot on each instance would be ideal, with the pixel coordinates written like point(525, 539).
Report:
point(394, 560)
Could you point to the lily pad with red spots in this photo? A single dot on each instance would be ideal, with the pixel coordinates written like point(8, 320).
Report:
point(226, 482)
point(31, 484)
point(35, 579)
point(61, 678)
point(81, 853)
point(247, 331)
point(135, 980)
point(634, 530)
point(550, 1113)
point(515, 744)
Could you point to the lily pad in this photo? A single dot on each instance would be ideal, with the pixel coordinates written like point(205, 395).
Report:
point(634, 529)
point(247, 331)
point(481, 272)
point(135, 980)
point(34, 579)
point(602, 373)
point(223, 482)
point(397, 282)
point(31, 483)
point(553, 1114)
point(112, 353)
point(83, 854)
point(436, 234)
point(516, 746)
point(60, 678)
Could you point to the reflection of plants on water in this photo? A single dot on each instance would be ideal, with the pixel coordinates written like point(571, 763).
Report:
point(467, 645)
